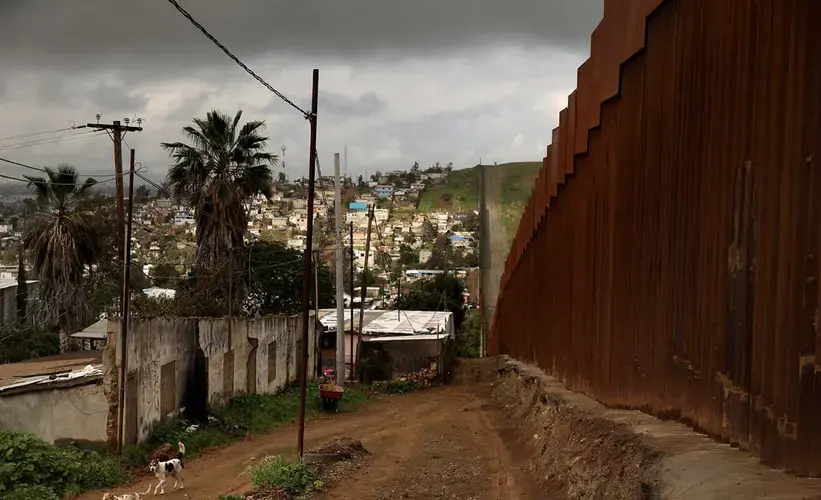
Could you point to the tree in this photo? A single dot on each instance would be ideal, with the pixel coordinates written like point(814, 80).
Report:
point(429, 232)
point(62, 242)
point(275, 280)
point(360, 182)
point(415, 170)
point(282, 178)
point(222, 168)
point(408, 257)
point(443, 293)
point(142, 194)
point(165, 275)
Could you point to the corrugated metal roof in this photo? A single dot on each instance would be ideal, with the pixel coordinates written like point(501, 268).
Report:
point(90, 371)
point(390, 322)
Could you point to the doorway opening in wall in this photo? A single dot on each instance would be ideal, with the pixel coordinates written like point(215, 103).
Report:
point(195, 399)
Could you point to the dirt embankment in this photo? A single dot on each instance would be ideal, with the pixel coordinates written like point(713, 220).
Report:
point(591, 451)
point(587, 456)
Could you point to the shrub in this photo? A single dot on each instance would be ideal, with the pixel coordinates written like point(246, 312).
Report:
point(232, 496)
point(41, 470)
point(278, 472)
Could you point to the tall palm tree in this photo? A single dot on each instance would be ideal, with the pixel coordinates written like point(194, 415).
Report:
point(224, 166)
point(62, 242)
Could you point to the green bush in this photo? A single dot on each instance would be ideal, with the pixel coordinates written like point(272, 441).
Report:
point(278, 472)
point(232, 496)
point(44, 471)
point(31, 493)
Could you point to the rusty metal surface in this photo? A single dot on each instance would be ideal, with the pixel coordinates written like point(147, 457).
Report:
point(668, 258)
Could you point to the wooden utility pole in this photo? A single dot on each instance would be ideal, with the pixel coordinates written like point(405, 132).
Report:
point(351, 288)
point(363, 288)
point(125, 302)
point(317, 351)
point(340, 277)
point(306, 274)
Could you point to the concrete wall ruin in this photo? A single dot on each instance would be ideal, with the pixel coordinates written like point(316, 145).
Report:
point(68, 413)
point(171, 361)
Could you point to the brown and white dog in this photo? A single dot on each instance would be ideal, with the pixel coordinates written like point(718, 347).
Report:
point(169, 468)
point(126, 496)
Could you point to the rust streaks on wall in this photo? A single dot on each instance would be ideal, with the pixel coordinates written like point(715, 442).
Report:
point(667, 259)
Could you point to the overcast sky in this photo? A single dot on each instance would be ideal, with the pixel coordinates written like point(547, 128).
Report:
point(401, 81)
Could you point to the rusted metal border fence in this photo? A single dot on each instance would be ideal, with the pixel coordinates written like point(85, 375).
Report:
point(668, 257)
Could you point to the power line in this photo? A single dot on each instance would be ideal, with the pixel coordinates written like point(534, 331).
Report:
point(216, 42)
point(39, 169)
point(44, 132)
point(53, 140)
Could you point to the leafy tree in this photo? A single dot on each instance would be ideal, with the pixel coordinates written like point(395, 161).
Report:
point(165, 275)
point(275, 285)
point(443, 293)
point(282, 178)
point(467, 337)
point(408, 257)
point(223, 167)
point(360, 182)
point(141, 194)
point(63, 244)
point(415, 170)
point(429, 232)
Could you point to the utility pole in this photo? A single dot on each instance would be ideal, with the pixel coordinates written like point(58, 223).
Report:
point(363, 287)
point(398, 296)
point(340, 278)
point(351, 287)
point(306, 274)
point(317, 352)
point(125, 307)
point(117, 133)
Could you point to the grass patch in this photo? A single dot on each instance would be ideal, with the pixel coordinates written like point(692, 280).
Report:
point(277, 472)
point(32, 469)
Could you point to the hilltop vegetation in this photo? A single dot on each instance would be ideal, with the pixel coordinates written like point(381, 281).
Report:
point(461, 192)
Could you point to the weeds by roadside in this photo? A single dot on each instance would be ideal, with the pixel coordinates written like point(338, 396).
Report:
point(407, 383)
point(32, 469)
point(277, 472)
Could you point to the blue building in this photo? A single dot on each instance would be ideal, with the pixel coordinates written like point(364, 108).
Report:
point(383, 190)
point(358, 206)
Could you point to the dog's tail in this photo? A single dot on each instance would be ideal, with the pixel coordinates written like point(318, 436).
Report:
point(181, 453)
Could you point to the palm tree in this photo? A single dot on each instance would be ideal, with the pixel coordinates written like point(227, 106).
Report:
point(216, 174)
point(62, 242)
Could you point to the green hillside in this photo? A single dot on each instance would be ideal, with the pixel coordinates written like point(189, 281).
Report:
point(461, 192)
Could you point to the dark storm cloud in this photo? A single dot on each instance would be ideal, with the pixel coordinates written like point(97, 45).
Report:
point(366, 105)
point(116, 98)
point(75, 34)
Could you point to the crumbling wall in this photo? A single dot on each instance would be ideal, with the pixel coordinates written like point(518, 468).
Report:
point(258, 355)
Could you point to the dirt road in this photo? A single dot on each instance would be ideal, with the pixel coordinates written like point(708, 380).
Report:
point(443, 443)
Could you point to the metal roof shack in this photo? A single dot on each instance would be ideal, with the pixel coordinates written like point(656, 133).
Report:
point(384, 323)
point(50, 373)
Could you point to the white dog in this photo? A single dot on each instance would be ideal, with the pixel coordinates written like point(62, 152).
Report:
point(126, 496)
point(172, 468)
